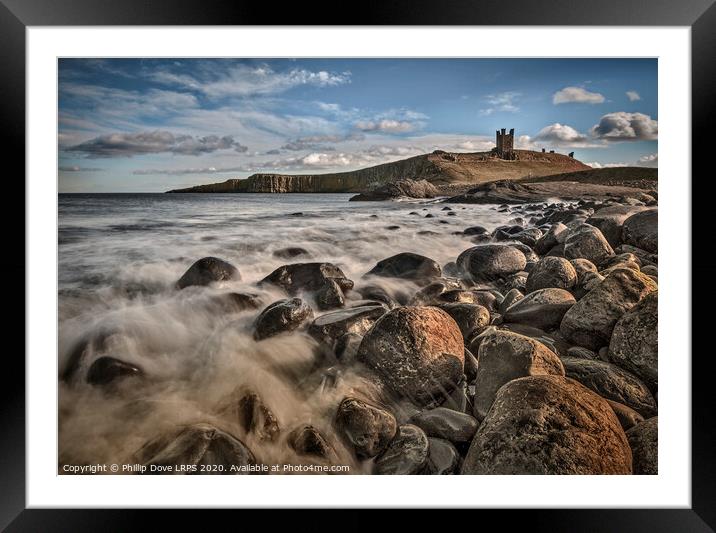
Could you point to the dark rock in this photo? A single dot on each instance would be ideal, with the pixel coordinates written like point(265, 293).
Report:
point(582, 353)
point(479, 297)
point(551, 272)
point(330, 326)
point(368, 428)
point(491, 261)
point(196, 445)
point(589, 323)
point(634, 344)
point(646, 258)
point(307, 440)
point(543, 309)
point(504, 356)
point(446, 424)
point(402, 188)
point(418, 351)
point(548, 425)
point(377, 293)
point(609, 220)
point(282, 316)
point(528, 237)
point(346, 347)
point(443, 458)
point(475, 230)
point(612, 383)
point(406, 454)
point(644, 442)
point(106, 370)
point(326, 281)
point(255, 417)
point(233, 302)
point(642, 230)
point(513, 296)
point(627, 416)
point(470, 365)
point(208, 270)
point(470, 318)
point(290, 252)
point(407, 266)
point(587, 242)
point(556, 235)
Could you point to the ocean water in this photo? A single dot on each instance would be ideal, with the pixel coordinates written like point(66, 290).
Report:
point(119, 257)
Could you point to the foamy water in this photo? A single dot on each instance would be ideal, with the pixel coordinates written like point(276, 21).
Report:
point(119, 257)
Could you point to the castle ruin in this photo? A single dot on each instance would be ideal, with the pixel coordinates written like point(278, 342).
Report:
point(505, 144)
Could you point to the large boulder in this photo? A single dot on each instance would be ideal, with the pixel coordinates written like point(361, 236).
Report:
point(612, 383)
point(550, 272)
point(108, 370)
point(324, 281)
point(406, 454)
point(556, 235)
point(504, 356)
point(208, 270)
point(589, 323)
point(367, 427)
point(307, 440)
point(587, 242)
point(644, 442)
point(443, 458)
point(491, 261)
point(635, 340)
point(198, 445)
point(330, 326)
point(283, 316)
point(470, 318)
point(446, 424)
point(543, 309)
point(642, 230)
point(548, 425)
point(407, 266)
point(418, 351)
point(609, 220)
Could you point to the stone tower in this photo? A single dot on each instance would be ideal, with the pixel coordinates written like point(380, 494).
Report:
point(505, 144)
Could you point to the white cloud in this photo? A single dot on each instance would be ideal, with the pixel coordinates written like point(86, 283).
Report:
point(623, 126)
point(596, 164)
point(501, 102)
point(633, 96)
point(556, 136)
point(576, 95)
point(649, 160)
point(385, 125)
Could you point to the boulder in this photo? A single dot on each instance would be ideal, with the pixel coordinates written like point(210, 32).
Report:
point(283, 316)
point(556, 234)
point(587, 242)
point(542, 309)
point(642, 230)
point(589, 323)
point(325, 281)
point(329, 327)
point(446, 424)
point(504, 356)
point(255, 417)
point(406, 454)
point(634, 344)
point(548, 424)
point(612, 383)
point(402, 188)
point(551, 272)
point(290, 252)
point(582, 353)
point(491, 261)
point(106, 370)
point(418, 351)
point(367, 427)
point(475, 230)
point(609, 220)
point(513, 296)
point(627, 416)
point(307, 440)
point(582, 267)
point(470, 318)
point(407, 266)
point(200, 445)
point(206, 271)
point(483, 298)
point(443, 458)
point(644, 442)
point(233, 302)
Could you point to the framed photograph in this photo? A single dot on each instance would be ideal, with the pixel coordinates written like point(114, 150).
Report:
point(408, 263)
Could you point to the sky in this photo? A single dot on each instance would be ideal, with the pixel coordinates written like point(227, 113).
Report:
point(149, 125)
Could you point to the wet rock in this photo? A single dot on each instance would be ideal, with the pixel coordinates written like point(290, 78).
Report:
point(407, 266)
point(587, 242)
point(290, 252)
point(634, 344)
point(282, 316)
point(612, 383)
point(470, 318)
point(106, 370)
point(196, 445)
point(642, 230)
point(582, 267)
point(548, 425)
point(307, 440)
point(206, 271)
point(329, 327)
point(491, 261)
point(233, 302)
point(589, 323)
point(446, 424)
point(346, 347)
point(556, 235)
point(650, 270)
point(470, 365)
point(377, 293)
point(475, 230)
point(478, 297)
point(325, 281)
point(418, 351)
point(504, 356)
point(609, 220)
point(644, 442)
point(402, 188)
point(530, 255)
point(627, 416)
point(406, 454)
point(550, 272)
point(368, 428)
point(582, 353)
point(443, 458)
point(646, 258)
point(513, 296)
point(542, 309)
point(255, 417)
point(590, 281)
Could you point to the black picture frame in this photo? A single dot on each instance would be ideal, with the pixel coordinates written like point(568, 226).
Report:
point(17, 15)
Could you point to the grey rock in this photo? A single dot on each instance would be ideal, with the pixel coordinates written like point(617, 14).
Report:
point(367, 427)
point(644, 442)
point(491, 261)
point(587, 242)
point(550, 272)
point(542, 309)
point(446, 424)
point(206, 271)
point(283, 316)
point(406, 454)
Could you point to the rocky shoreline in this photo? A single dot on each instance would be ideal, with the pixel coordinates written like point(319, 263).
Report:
point(533, 352)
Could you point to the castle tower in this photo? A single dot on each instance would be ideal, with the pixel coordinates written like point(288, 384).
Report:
point(505, 143)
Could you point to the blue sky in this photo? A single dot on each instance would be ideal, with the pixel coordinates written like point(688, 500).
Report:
point(148, 125)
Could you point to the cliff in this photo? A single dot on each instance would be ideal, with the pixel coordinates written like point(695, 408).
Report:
point(439, 168)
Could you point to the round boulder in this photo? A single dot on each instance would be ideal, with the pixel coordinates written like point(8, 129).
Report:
point(406, 454)
point(470, 318)
point(208, 270)
point(446, 424)
point(587, 242)
point(642, 230)
point(418, 351)
point(548, 425)
point(644, 442)
point(491, 261)
point(443, 458)
point(551, 272)
point(542, 309)
point(282, 317)
point(368, 428)
point(407, 266)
